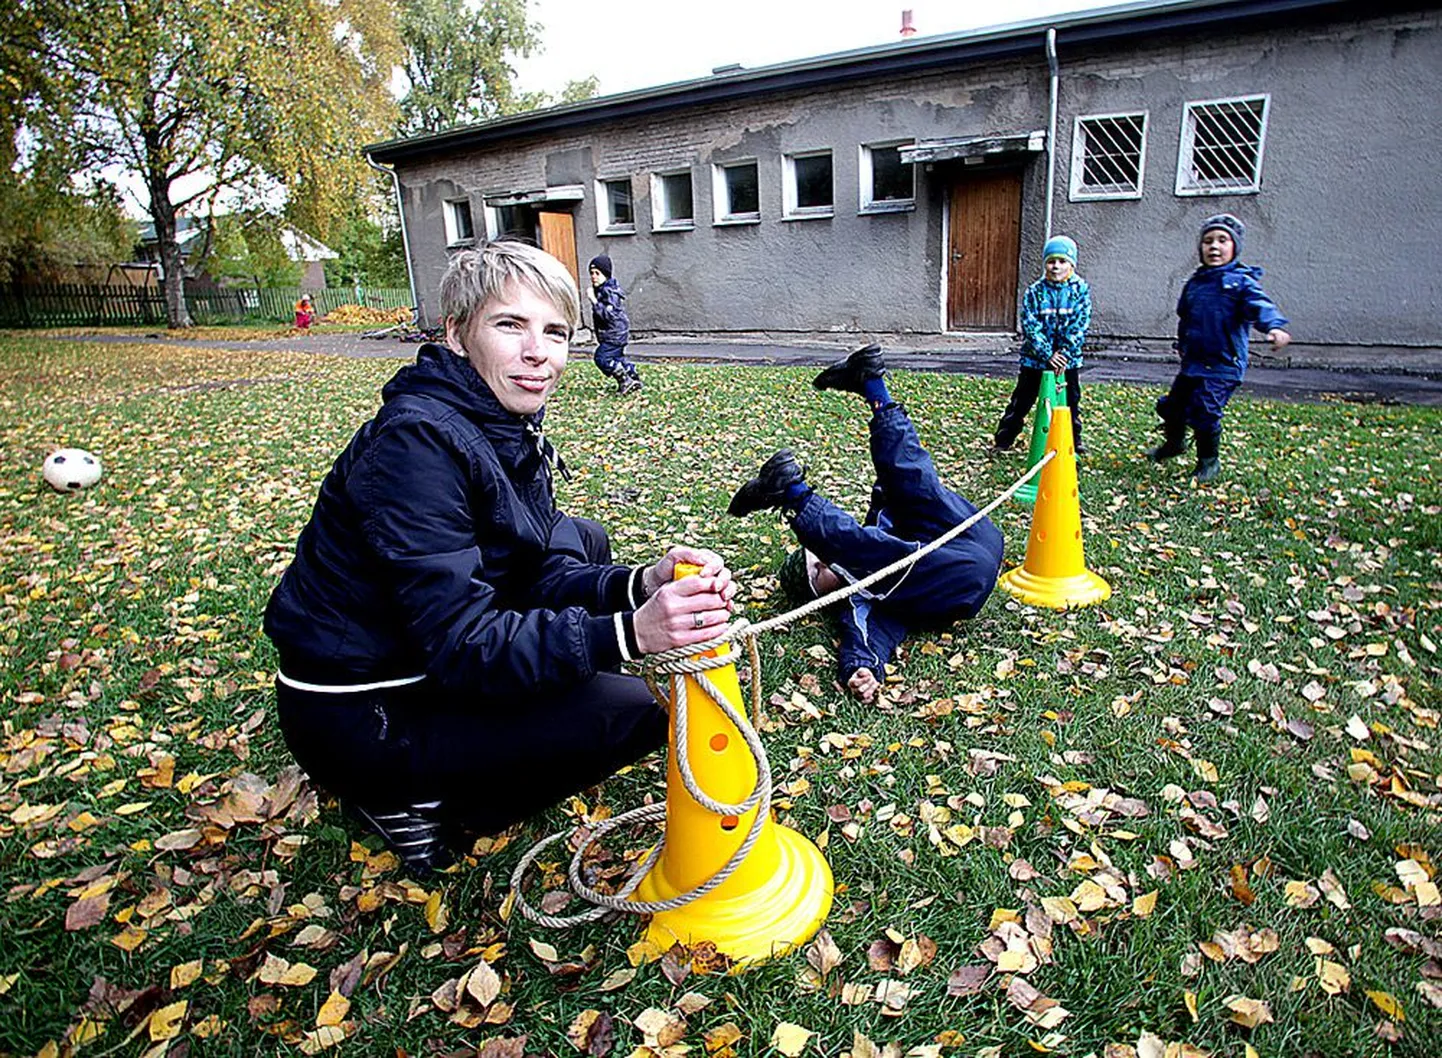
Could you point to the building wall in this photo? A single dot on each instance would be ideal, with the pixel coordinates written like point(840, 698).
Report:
point(1345, 221)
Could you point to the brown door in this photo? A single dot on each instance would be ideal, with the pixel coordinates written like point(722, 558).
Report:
point(558, 238)
point(984, 245)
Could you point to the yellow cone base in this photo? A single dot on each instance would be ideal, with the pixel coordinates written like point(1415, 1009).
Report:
point(783, 913)
point(1058, 593)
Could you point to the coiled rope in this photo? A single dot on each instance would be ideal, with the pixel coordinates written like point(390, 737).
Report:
point(679, 663)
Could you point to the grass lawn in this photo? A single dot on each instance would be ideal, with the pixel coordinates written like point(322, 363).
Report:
point(1199, 819)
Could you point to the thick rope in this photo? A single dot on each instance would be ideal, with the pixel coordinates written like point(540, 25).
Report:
point(692, 661)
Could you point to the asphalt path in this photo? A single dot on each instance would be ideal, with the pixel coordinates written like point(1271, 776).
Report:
point(1345, 381)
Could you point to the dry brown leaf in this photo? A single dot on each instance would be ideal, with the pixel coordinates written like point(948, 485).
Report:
point(483, 984)
point(1249, 1013)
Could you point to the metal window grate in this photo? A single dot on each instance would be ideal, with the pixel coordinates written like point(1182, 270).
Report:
point(1222, 145)
point(1110, 155)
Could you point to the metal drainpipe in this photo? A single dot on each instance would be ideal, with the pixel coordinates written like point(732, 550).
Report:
point(406, 239)
point(1051, 127)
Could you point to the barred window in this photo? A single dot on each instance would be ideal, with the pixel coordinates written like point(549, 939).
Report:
point(1108, 156)
point(1222, 145)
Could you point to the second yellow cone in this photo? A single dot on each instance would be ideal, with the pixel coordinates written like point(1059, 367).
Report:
point(1054, 573)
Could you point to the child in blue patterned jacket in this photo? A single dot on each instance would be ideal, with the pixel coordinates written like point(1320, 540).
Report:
point(1220, 303)
point(1055, 313)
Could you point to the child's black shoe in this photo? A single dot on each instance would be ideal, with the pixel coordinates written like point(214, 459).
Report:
point(850, 375)
point(768, 488)
point(1207, 470)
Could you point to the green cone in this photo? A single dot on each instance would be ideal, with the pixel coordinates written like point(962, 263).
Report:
point(1049, 397)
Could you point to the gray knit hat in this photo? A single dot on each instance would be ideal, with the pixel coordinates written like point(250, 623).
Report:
point(795, 581)
point(1229, 224)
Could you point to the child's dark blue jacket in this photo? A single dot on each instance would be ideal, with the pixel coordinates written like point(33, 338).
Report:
point(435, 548)
point(1054, 319)
point(608, 315)
point(1216, 308)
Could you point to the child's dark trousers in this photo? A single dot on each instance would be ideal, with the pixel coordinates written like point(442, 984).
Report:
point(1028, 385)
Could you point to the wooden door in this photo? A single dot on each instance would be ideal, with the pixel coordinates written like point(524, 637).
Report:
point(984, 245)
point(558, 238)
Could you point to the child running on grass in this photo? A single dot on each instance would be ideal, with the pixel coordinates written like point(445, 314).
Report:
point(1220, 301)
point(612, 327)
point(1055, 313)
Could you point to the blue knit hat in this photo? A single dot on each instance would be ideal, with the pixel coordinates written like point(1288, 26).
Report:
point(1060, 246)
point(1229, 224)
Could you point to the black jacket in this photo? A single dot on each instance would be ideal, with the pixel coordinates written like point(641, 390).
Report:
point(608, 315)
point(435, 548)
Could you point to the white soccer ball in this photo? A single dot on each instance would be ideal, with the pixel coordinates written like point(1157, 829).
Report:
point(71, 469)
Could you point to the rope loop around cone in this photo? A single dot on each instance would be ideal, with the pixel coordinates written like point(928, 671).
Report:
point(695, 661)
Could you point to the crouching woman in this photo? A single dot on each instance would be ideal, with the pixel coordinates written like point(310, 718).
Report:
point(449, 641)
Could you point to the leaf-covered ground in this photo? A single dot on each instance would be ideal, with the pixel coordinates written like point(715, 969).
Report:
point(1200, 819)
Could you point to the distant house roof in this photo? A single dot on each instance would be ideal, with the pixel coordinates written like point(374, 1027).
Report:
point(1114, 25)
point(298, 245)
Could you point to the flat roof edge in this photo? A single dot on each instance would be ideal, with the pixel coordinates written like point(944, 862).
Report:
point(1089, 27)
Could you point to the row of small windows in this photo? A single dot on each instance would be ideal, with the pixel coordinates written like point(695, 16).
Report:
point(887, 184)
point(1220, 152)
point(1221, 147)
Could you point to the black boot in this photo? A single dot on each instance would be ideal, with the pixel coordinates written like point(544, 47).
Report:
point(1173, 446)
point(1209, 465)
point(849, 375)
point(413, 833)
point(768, 488)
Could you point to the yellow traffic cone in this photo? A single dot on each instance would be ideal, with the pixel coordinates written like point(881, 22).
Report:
point(1055, 573)
point(780, 893)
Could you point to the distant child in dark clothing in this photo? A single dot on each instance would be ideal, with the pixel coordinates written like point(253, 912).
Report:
point(1220, 301)
point(1055, 313)
point(612, 327)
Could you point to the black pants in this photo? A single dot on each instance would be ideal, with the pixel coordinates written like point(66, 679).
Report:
point(490, 762)
point(1028, 385)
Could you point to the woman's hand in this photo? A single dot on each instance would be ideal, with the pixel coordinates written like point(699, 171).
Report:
point(684, 612)
point(663, 571)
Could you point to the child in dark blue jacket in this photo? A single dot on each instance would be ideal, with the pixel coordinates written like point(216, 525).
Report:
point(909, 507)
point(1218, 304)
point(612, 327)
point(1055, 313)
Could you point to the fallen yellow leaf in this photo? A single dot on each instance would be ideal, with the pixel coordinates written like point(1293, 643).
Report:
point(1387, 1003)
point(333, 1010)
point(165, 1023)
point(790, 1039)
point(1144, 905)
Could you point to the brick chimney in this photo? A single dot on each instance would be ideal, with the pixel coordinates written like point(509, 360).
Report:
point(907, 29)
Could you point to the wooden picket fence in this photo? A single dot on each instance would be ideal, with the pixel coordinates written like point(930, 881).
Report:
point(82, 305)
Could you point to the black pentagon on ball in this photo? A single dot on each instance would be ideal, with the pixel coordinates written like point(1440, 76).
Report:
point(58, 459)
point(89, 460)
point(73, 486)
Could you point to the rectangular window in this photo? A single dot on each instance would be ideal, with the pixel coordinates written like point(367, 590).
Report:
point(459, 229)
point(617, 214)
point(737, 193)
point(1108, 154)
point(887, 183)
point(671, 198)
point(1221, 148)
point(807, 185)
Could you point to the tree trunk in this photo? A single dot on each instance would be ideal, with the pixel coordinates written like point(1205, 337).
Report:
point(173, 283)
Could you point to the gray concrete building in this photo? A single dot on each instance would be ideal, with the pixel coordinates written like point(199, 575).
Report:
point(908, 187)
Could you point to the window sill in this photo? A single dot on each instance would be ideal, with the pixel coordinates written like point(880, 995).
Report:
point(689, 225)
point(735, 222)
point(461, 244)
point(899, 206)
point(1202, 192)
point(604, 232)
point(821, 214)
point(1105, 196)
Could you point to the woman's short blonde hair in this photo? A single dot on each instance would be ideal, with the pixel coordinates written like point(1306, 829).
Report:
point(474, 277)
